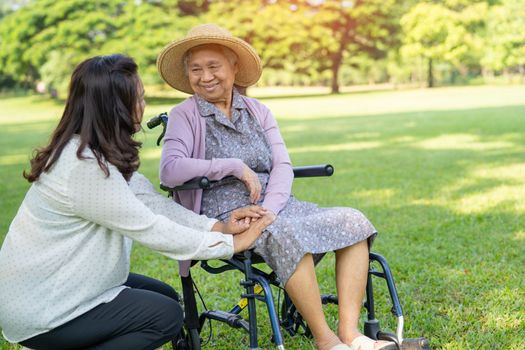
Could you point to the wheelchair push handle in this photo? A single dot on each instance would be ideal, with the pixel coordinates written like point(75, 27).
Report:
point(161, 119)
point(157, 120)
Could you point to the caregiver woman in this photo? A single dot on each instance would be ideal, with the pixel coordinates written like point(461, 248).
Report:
point(64, 264)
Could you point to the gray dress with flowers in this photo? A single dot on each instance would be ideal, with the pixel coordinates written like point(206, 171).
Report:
point(301, 227)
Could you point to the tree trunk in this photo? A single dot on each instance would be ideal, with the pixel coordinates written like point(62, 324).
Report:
point(337, 57)
point(430, 77)
point(335, 75)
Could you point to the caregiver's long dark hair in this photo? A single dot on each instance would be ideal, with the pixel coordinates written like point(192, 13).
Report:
point(101, 108)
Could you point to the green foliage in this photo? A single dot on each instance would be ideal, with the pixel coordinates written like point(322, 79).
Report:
point(440, 34)
point(47, 38)
point(301, 42)
point(506, 35)
point(309, 38)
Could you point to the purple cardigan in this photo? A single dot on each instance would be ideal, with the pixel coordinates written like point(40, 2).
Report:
point(183, 156)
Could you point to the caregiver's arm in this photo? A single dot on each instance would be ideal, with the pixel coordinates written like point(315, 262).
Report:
point(238, 222)
point(108, 202)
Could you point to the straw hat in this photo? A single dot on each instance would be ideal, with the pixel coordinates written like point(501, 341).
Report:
point(171, 66)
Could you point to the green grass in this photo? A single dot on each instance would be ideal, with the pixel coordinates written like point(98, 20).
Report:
point(441, 174)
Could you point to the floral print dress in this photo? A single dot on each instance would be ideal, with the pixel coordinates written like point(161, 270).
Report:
point(301, 227)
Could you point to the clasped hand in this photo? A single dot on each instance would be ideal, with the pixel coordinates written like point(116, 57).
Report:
point(247, 224)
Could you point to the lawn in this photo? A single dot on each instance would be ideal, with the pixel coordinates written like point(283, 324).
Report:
point(441, 174)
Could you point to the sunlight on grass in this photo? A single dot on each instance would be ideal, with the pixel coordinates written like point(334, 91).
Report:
point(293, 129)
point(438, 99)
point(14, 159)
point(463, 141)
point(403, 139)
point(381, 195)
point(507, 193)
point(508, 172)
point(519, 236)
point(498, 198)
point(22, 110)
point(350, 146)
point(515, 319)
point(472, 195)
point(151, 153)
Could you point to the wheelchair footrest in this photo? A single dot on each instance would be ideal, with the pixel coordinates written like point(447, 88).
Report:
point(233, 320)
point(415, 344)
point(329, 299)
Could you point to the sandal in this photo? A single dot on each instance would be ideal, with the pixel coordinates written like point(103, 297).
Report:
point(364, 343)
point(340, 347)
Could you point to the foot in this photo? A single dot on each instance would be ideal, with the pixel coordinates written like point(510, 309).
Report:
point(330, 342)
point(364, 343)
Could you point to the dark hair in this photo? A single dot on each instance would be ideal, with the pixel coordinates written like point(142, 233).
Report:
point(101, 107)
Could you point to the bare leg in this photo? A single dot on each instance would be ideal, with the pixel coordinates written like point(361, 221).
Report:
point(303, 290)
point(351, 278)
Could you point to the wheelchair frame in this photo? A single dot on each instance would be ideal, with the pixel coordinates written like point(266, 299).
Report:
point(291, 321)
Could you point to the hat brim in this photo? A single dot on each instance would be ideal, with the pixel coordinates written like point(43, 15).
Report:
point(171, 67)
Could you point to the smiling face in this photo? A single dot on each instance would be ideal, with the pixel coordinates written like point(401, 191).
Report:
point(211, 73)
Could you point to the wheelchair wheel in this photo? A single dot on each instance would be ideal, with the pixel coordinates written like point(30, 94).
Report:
point(187, 340)
point(180, 342)
point(293, 321)
point(194, 339)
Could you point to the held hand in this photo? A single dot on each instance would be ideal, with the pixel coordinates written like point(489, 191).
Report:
point(244, 240)
point(251, 180)
point(240, 219)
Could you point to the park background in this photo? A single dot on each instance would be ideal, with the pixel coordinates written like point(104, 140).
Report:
point(420, 106)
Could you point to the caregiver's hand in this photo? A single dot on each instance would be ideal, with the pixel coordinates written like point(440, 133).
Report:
point(241, 218)
point(251, 180)
point(244, 240)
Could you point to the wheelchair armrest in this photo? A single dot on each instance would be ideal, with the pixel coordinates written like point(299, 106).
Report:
point(202, 182)
point(313, 170)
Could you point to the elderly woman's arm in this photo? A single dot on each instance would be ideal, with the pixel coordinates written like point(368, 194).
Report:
point(279, 185)
point(177, 164)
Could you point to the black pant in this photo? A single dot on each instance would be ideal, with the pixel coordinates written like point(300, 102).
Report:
point(144, 316)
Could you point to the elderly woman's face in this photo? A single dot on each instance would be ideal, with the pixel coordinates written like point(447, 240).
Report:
point(211, 74)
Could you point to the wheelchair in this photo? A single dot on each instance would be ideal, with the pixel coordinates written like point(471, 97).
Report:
point(258, 287)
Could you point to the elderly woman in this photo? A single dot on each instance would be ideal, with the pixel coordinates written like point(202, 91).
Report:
point(217, 132)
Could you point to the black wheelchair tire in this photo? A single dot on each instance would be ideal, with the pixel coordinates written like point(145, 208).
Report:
point(290, 312)
point(194, 339)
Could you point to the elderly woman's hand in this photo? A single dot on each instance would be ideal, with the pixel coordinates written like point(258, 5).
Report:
point(251, 180)
point(244, 240)
point(241, 218)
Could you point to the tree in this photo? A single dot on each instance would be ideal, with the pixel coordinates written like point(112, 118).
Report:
point(506, 36)
point(310, 37)
point(45, 39)
point(439, 34)
point(349, 32)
